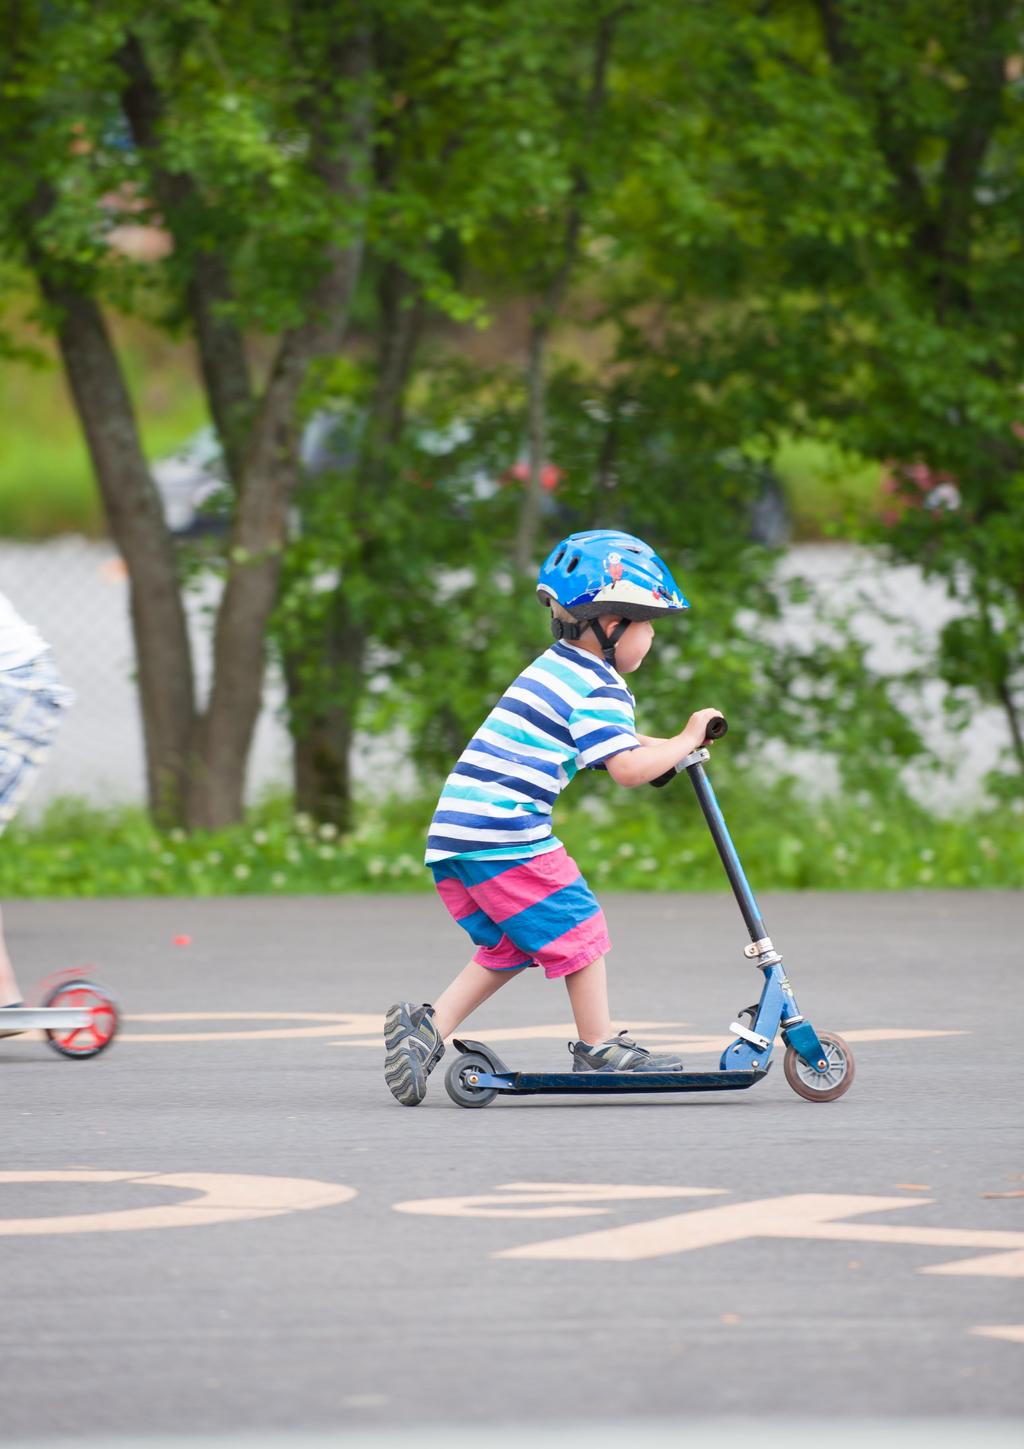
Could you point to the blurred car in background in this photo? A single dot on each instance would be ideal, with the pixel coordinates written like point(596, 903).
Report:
point(197, 500)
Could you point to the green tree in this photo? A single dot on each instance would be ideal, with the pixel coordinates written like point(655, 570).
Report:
point(256, 167)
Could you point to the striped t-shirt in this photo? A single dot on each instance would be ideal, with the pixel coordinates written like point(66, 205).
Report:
point(568, 710)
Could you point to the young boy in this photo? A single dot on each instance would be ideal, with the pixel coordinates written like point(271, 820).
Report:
point(499, 869)
point(32, 701)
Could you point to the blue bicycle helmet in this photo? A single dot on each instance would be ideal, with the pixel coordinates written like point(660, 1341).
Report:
point(606, 572)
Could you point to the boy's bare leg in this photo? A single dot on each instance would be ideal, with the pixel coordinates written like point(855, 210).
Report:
point(588, 996)
point(9, 991)
point(470, 989)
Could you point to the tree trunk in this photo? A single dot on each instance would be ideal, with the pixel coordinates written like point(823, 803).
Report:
point(323, 729)
point(268, 475)
point(209, 293)
point(322, 743)
point(136, 520)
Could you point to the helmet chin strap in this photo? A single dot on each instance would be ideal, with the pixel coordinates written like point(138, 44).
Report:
point(563, 629)
point(609, 641)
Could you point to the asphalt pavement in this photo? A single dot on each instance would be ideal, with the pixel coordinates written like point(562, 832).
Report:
point(225, 1226)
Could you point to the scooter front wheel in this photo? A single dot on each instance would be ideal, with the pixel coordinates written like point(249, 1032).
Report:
point(458, 1081)
point(823, 1086)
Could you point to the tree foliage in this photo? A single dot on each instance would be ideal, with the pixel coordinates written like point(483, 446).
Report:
point(771, 218)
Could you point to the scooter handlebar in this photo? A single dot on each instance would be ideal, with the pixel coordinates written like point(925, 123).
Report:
point(717, 727)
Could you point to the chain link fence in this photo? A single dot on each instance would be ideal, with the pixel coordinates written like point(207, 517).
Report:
point(75, 593)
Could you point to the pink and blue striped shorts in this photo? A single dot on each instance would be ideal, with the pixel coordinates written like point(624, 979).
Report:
point(537, 911)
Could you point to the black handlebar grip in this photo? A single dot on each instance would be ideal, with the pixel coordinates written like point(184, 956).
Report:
point(717, 727)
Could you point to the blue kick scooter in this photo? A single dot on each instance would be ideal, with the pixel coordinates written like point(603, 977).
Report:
point(819, 1066)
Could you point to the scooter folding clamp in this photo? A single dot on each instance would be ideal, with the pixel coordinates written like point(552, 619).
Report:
point(753, 1037)
point(758, 948)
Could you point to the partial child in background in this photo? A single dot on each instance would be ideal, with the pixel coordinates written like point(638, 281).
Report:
point(32, 702)
point(497, 865)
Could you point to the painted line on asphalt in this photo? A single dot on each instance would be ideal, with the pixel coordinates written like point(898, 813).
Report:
point(220, 1198)
point(1011, 1332)
point(364, 1029)
point(661, 1035)
point(326, 1023)
point(809, 1216)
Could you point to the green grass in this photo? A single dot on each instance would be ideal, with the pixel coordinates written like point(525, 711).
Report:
point(622, 843)
point(46, 480)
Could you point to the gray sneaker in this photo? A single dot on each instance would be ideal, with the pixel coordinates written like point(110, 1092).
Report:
point(621, 1054)
point(414, 1048)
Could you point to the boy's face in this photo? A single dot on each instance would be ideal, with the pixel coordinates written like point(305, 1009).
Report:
point(632, 648)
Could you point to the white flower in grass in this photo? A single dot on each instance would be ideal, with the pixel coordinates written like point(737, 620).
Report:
point(214, 857)
point(328, 831)
point(626, 850)
point(241, 872)
point(177, 835)
point(303, 823)
point(927, 854)
point(648, 863)
point(278, 879)
point(376, 867)
point(259, 837)
point(326, 852)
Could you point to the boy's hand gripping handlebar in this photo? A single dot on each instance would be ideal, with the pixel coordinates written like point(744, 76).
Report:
point(717, 727)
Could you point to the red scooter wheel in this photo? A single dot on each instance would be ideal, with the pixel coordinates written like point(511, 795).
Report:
point(90, 1040)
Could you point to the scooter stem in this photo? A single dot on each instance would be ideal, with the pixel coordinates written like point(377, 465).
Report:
point(708, 803)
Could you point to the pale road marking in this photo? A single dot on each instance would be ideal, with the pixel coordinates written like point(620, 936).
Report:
point(1000, 1265)
point(556, 1197)
point(222, 1198)
point(364, 1029)
point(329, 1023)
point(666, 1041)
point(803, 1215)
point(1012, 1332)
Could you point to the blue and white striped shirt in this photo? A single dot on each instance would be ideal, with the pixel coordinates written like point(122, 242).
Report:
point(568, 710)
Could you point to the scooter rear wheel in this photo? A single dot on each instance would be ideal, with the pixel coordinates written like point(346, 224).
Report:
point(83, 1041)
point(822, 1086)
point(462, 1091)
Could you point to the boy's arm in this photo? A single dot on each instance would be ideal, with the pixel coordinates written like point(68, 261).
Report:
point(654, 757)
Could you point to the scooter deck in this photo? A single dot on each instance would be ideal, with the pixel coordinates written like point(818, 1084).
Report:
point(43, 1018)
point(524, 1084)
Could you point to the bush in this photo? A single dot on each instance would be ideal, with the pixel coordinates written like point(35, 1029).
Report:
point(639, 841)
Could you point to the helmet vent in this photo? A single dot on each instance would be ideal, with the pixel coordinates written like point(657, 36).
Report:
point(572, 563)
point(559, 556)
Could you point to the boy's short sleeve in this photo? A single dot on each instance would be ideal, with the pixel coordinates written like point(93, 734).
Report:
point(603, 725)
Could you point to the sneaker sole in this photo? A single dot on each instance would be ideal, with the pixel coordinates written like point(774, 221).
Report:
point(403, 1065)
point(394, 1026)
point(403, 1072)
